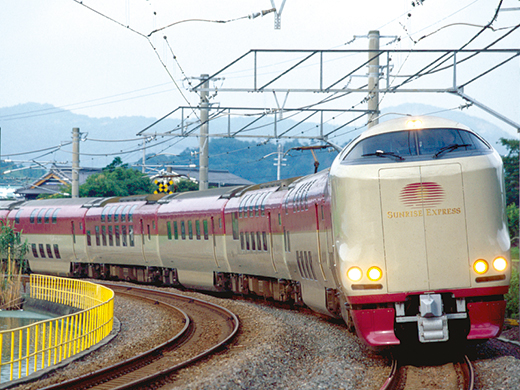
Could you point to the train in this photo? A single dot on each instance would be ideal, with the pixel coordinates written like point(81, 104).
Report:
point(404, 236)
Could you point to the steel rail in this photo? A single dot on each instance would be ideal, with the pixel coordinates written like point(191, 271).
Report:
point(397, 375)
point(125, 375)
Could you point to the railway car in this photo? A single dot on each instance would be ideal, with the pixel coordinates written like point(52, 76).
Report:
point(405, 235)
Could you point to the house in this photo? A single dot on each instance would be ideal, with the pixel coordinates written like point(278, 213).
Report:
point(54, 180)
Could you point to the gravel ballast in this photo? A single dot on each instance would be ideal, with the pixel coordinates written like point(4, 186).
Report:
point(276, 348)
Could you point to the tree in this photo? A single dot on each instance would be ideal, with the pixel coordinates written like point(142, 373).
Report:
point(117, 180)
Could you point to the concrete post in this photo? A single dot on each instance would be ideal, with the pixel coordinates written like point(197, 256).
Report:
point(203, 150)
point(75, 162)
point(373, 77)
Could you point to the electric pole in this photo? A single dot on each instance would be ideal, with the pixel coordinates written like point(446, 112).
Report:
point(373, 77)
point(75, 162)
point(203, 150)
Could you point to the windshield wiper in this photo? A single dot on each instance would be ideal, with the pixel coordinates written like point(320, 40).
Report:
point(449, 148)
point(380, 153)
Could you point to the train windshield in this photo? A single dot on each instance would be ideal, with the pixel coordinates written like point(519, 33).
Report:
point(416, 144)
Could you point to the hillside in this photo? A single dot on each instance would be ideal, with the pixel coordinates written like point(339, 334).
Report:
point(41, 128)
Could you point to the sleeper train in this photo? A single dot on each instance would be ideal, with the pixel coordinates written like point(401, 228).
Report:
point(405, 234)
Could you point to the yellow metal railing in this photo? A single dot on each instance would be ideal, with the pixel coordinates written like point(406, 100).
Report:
point(31, 348)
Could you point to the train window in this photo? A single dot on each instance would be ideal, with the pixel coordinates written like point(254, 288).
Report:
point(399, 145)
point(131, 235)
point(98, 243)
point(42, 251)
point(220, 223)
point(153, 225)
point(190, 229)
point(148, 231)
point(110, 212)
point(40, 215)
point(257, 205)
point(55, 216)
point(264, 236)
point(241, 241)
point(116, 214)
point(73, 232)
point(253, 242)
point(123, 213)
point(89, 239)
point(57, 251)
point(34, 250)
point(110, 235)
point(175, 230)
point(234, 225)
point(118, 238)
point(131, 213)
point(287, 240)
point(169, 229)
point(104, 235)
point(197, 229)
point(47, 217)
point(33, 215)
point(322, 213)
point(123, 235)
point(183, 230)
point(17, 216)
point(49, 251)
point(103, 214)
point(262, 204)
point(247, 241)
point(241, 205)
point(259, 241)
point(205, 228)
point(81, 226)
point(279, 219)
point(253, 205)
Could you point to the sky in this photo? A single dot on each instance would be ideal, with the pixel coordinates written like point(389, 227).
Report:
point(94, 58)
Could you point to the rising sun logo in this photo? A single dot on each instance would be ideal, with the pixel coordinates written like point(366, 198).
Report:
point(420, 195)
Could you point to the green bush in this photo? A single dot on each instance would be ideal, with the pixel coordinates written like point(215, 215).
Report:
point(512, 222)
point(512, 295)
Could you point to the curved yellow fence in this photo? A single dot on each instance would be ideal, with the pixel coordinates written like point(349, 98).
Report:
point(45, 343)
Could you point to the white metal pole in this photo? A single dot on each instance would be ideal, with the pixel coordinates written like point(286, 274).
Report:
point(373, 77)
point(203, 155)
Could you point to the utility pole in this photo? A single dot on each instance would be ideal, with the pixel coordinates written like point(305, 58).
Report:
point(203, 149)
point(279, 161)
point(75, 162)
point(143, 168)
point(373, 77)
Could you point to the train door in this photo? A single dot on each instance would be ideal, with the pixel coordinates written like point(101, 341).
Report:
point(73, 233)
point(321, 238)
point(143, 238)
point(213, 240)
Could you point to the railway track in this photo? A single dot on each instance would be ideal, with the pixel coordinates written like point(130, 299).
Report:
point(458, 375)
point(207, 329)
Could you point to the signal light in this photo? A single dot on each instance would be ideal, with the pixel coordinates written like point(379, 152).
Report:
point(355, 274)
point(500, 264)
point(480, 266)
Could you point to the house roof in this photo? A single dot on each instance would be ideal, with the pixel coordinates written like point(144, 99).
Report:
point(58, 176)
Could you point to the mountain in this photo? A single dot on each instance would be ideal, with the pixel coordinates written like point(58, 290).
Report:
point(41, 128)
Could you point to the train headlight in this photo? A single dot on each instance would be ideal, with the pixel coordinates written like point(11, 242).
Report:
point(480, 266)
point(414, 124)
point(374, 274)
point(500, 264)
point(355, 274)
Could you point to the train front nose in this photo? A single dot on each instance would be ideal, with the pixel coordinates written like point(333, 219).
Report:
point(424, 227)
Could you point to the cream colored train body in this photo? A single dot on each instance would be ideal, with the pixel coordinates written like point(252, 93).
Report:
point(405, 235)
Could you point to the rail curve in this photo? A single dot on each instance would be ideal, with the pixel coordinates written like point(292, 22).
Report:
point(160, 362)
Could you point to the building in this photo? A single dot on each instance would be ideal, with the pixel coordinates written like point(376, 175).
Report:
point(54, 180)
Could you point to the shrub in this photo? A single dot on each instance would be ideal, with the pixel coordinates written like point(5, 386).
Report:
point(512, 295)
